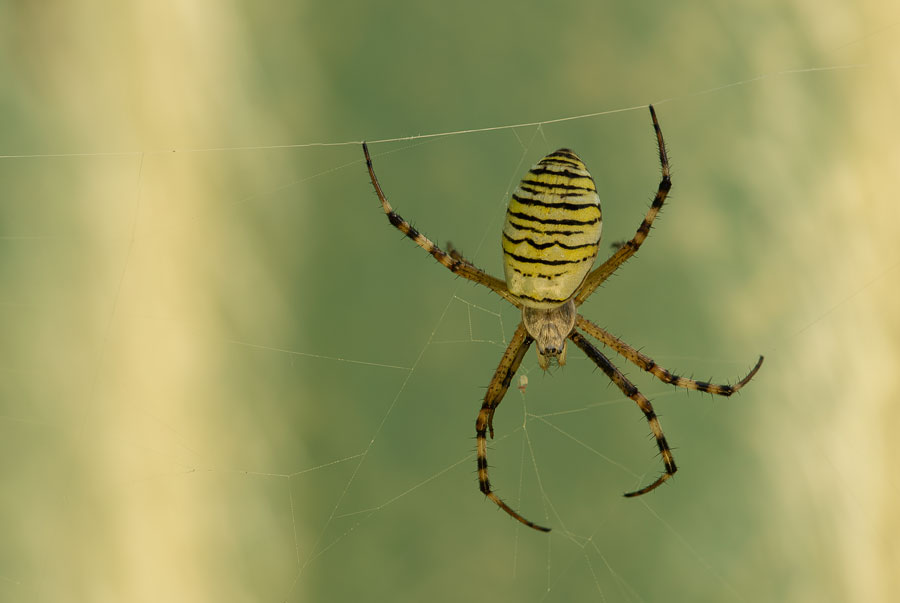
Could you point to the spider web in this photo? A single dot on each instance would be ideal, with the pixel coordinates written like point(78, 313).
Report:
point(227, 378)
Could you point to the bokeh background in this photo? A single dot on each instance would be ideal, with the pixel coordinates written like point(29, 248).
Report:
point(224, 377)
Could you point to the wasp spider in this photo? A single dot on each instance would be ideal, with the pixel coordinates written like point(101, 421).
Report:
point(550, 240)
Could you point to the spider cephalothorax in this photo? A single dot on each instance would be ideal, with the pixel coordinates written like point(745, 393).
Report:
point(550, 240)
point(550, 328)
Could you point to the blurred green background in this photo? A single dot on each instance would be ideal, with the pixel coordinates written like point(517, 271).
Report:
point(225, 377)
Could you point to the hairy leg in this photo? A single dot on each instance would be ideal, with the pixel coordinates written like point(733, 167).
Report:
point(454, 262)
point(628, 388)
point(648, 364)
point(629, 248)
point(509, 363)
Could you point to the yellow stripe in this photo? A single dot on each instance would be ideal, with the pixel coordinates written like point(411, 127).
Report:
point(552, 254)
point(559, 177)
point(589, 213)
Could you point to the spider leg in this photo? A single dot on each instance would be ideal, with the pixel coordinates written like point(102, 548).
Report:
point(628, 388)
point(648, 364)
point(454, 262)
point(509, 363)
point(627, 250)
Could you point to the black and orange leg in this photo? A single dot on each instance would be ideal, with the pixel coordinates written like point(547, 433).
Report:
point(648, 364)
point(628, 388)
point(484, 424)
point(629, 248)
point(453, 261)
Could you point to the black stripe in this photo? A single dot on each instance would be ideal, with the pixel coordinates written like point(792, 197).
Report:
point(524, 260)
point(663, 446)
point(537, 171)
point(558, 159)
point(533, 275)
point(537, 245)
point(564, 233)
point(568, 187)
point(395, 219)
point(549, 221)
point(664, 186)
point(541, 299)
point(704, 386)
point(556, 204)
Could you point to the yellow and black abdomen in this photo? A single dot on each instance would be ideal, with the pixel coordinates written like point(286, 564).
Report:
point(552, 231)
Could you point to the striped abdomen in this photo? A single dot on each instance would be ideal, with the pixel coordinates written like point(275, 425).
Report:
point(552, 231)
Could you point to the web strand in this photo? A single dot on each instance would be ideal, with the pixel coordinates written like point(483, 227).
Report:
point(412, 137)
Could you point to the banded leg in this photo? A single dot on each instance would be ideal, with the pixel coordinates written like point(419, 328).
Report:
point(628, 388)
point(509, 363)
point(457, 265)
point(648, 364)
point(627, 250)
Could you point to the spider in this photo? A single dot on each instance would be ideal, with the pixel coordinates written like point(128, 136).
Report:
point(550, 240)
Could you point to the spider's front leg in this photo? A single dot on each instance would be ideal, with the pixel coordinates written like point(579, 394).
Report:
point(629, 248)
point(452, 261)
point(484, 424)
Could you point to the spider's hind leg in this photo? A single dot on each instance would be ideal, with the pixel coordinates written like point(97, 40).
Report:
point(648, 364)
point(629, 389)
point(484, 424)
